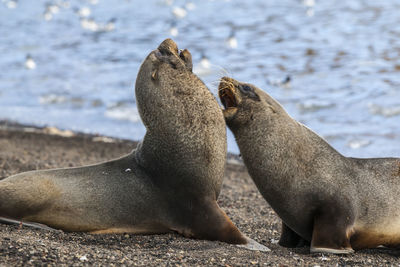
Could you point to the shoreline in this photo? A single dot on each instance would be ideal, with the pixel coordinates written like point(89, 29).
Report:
point(7, 125)
point(24, 148)
point(51, 130)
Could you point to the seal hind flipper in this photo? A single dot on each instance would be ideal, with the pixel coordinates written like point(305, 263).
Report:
point(23, 195)
point(4, 220)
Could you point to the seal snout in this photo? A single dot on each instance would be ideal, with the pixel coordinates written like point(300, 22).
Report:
point(226, 92)
point(168, 52)
point(168, 47)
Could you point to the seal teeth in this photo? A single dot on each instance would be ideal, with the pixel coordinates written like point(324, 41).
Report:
point(227, 93)
point(227, 97)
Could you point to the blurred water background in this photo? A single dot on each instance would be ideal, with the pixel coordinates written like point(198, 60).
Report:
point(333, 65)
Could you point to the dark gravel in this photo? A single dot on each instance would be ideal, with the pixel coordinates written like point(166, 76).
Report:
point(22, 150)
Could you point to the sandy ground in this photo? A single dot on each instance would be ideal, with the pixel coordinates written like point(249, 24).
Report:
point(24, 149)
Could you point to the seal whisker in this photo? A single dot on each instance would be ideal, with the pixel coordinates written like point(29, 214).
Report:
point(226, 85)
point(223, 71)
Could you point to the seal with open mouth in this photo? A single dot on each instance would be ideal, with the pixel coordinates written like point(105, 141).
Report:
point(339, 204)
point(169, 183)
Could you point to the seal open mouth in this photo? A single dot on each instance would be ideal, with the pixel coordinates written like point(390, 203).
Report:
point(227, 94)
point(230, 97)
point(227, 97)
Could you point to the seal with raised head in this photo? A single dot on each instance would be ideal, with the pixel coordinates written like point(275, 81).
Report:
point(336, 203)
point(169, 183)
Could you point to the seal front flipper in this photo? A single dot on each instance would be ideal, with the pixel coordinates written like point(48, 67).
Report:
point(214, 224)
point(211, 223)
point(254, 245)
point(290, 239)
point(331, 232)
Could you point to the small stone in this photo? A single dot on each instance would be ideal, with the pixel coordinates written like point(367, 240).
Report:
point(83, 258)
point(323, 258)
point(274, 241)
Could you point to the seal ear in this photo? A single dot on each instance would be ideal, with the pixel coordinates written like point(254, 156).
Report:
point(187, 59)
point(154, 75)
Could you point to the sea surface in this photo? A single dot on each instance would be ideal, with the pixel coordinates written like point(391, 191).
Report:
point(333, 65)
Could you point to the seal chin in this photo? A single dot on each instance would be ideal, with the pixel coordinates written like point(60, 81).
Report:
point(229, 113)
point(230, 99)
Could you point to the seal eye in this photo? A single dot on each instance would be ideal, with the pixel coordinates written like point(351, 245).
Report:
point(245, 88)
point(248, 91)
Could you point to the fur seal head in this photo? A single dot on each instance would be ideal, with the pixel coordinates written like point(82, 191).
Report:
point(155, 78)
point(243, 102)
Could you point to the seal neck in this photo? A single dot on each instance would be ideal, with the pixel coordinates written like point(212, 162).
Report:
point(181, 169)
point(284, 152)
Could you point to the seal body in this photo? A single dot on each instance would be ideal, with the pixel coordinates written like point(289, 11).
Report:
point(169, 183)
point(116, 196)
point(333, 202)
